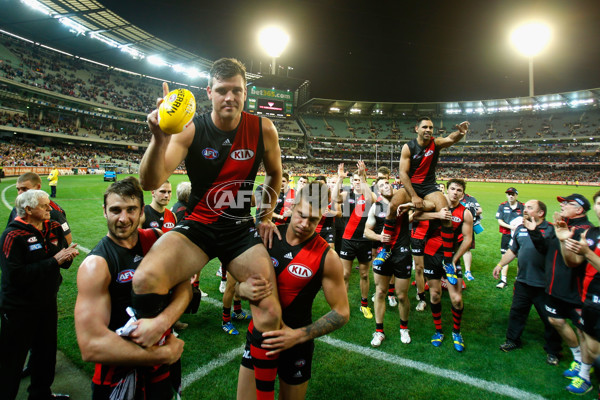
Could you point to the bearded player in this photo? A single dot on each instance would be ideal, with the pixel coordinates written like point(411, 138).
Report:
point(222, 150)
point(417, 172)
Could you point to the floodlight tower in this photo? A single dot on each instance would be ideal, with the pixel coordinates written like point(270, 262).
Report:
point(273, 40)
point(530, 40)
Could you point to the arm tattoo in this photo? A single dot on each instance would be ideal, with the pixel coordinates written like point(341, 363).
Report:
point(327, 323)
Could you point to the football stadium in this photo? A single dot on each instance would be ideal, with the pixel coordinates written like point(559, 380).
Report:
point(78, 95)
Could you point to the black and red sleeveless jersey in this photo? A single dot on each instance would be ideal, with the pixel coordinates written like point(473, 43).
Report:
point(285, 201)
point(122, 263)
point(164, 221)
point(299, 272)
point(355, 227)
point(434, 242)
point(400, 237)
point(325, 222)
point(590, 293)
point(222, 167)
point(420, 229)
point(423, 161)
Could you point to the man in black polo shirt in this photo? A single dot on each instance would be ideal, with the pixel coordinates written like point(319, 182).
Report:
point(530, 283)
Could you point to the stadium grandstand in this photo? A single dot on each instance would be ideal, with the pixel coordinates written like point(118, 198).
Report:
point(50, 101)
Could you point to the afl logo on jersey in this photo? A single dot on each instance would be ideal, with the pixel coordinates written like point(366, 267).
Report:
point(210, 154)
point(242, 154)
point(299, 270)
point(126, 276)
point(275, 262)
point(169, 225)
point(154, 224)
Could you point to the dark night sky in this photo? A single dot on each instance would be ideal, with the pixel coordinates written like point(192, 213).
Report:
point(390, 51)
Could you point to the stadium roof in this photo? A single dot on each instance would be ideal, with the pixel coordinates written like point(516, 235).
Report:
point(569, 99)
point(117, 39)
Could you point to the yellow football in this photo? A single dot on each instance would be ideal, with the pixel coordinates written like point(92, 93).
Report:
point(176, 111)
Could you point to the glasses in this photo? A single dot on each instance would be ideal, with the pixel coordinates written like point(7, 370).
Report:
point(568, 203)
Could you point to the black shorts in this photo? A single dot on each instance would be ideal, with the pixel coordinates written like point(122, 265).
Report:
point(399, 265)
point(294, 364)
point(473, 242)
point(591, 321)
point(433, 267)
point(328, 234)
point(560, 309)
point(417, 246)
point(225, 242)
point(504, 242)
point(358, 249)
point(423, 190)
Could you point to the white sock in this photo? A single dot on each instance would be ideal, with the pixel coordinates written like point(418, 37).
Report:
point(504, 278)
point(584, 372)
point(576, 353)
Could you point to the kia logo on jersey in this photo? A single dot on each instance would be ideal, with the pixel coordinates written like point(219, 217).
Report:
point(242, 154)
point(299, 270)
point(210, 154)
point(382, 215)
point(32, 239)
point(360, 202)
point(428, 153)
point(275, 262)
point(169, 225)
point(456, 219)
point(125, 276)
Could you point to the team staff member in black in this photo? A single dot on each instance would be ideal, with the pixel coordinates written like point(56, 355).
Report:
point(563, 283)
point(508, 211)
point(304, 264)
point(31, 180)
point(34, 249)
point(530, 283)
point(222, 150)
point(104, 293)
point(418, 161)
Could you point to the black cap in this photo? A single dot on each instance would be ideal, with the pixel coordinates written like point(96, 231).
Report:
point(577, 198)
point(512, 190)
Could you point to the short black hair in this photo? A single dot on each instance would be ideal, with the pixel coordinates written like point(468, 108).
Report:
point(128, 187)
point(225, 68)
point(460, 182)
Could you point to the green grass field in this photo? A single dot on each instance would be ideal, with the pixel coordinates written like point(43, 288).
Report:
point(345, 365)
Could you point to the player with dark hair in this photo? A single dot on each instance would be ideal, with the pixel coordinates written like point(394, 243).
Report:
point(304, 264)
point(285, 200)
point(326, 227)
point(356, 205)
point(418, 161)
point(223, 150)
point(397, 266)
point(509, 216)
point(124, 366)
point(462, 228)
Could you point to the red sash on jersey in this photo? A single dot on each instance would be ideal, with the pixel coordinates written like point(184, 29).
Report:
point(434, 243)
point(355, 218)
point(300, 270)
point(423, 169)
point(169, 221)
point(288, 202)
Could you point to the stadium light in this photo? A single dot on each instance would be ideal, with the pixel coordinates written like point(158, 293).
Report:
point(273, 40)
point(530, 40)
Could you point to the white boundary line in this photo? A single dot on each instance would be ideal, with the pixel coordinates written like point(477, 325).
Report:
point(488, 386)
point(7, 205)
